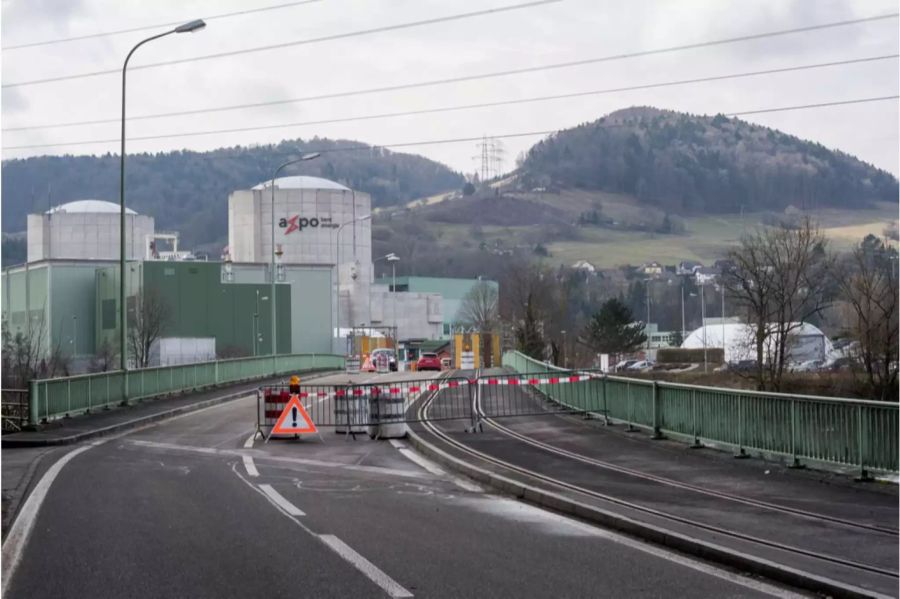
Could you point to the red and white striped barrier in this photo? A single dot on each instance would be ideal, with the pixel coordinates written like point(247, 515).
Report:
point(551, 380)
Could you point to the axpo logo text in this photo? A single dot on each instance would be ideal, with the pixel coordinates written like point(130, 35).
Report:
point(298, 223)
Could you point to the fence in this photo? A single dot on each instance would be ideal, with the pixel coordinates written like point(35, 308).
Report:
point(55, 398)
point(847, 432)
point(352, 408)
point(14, 409)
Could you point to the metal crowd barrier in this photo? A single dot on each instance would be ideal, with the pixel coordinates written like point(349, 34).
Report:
point(847, 432)
point(67, 396)
point(355, 408)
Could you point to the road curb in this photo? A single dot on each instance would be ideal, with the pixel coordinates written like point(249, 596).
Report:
point(135, 422)
point(673, 540)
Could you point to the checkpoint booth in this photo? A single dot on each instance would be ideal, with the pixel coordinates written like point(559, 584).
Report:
point(362, 342)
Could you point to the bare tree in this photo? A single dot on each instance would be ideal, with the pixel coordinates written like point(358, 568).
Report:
point(780, 277)
point(480, 307)
point(149, 317)
point(867, 280)
point(105, 358)
point(25, 352)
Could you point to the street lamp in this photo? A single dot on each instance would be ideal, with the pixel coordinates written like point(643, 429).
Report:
point(703, 324)
point(188, 27)
point(303, 158)
point(393, 259)
point(337, 257)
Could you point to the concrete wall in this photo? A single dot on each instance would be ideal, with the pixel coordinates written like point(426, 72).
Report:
point(85, 236)
point(416, 315)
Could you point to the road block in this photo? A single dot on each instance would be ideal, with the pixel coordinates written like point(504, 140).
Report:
point(387, 413)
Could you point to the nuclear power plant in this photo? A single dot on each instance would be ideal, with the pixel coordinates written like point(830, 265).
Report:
point(310, 236)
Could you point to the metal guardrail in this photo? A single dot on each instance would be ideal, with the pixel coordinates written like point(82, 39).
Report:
point(847, 432)
point(49, 399)
point(14, 409)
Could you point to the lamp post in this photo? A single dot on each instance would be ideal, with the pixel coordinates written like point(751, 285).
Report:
point(74, 335)
point(703, 324)
point(303, 158)
point(188, 27)
point(565, 352)
point(393, 259)
point(337, 257)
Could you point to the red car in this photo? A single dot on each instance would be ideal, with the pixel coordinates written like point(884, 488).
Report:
point(428, 361)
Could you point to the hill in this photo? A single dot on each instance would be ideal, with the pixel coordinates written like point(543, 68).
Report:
point(188, 191)
point(687, 164)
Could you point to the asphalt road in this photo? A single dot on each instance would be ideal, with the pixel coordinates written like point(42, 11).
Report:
point(188, 508)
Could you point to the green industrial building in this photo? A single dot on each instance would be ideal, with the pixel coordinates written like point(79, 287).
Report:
point(73, 306)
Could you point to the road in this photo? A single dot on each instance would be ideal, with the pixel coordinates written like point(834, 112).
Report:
point(191, 507)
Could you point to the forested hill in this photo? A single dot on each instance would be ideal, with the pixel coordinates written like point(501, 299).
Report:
point(688, 164)
point(188, 191)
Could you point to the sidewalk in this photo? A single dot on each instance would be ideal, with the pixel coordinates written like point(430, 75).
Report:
point(26, 455)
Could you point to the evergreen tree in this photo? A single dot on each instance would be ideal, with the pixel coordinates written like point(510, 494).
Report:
point(612, 330)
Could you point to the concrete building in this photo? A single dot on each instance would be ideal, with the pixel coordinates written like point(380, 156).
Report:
point(451, 291)
point(86, 230)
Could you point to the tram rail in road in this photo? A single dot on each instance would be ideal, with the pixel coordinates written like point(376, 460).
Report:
point(801, 561)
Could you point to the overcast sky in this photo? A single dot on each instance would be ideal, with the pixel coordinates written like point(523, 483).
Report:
point(559, 32)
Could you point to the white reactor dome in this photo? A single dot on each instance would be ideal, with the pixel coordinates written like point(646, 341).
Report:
point(302, 182)
point(89, 207)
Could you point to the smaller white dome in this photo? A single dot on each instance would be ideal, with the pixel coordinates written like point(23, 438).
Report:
point(302, 182)
point(89, 207)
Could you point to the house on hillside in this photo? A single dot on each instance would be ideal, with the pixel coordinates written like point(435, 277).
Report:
point(706, 275)
point(585, 266)
point(687, 267)
point(651, 268)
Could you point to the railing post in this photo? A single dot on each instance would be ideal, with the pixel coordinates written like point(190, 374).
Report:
point(696, 444)
point(861, 440)
point(742, 433)
point(69, 397)
point(216, 372)
point(605, 402)
point(33, 402)
point(657, 432)
point(795, 459)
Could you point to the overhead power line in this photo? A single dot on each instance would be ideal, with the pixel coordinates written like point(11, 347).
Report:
point(506, 102)
point(315, 40)
point(468, 139)
point(459, 107)
point(436, 82)
point(157, 26)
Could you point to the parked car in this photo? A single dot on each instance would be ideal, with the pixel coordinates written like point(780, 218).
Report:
point(428, 361)
point(391, 357)
point(623, 365)
point(742, 366)
point(641, 365)
point(840, 363)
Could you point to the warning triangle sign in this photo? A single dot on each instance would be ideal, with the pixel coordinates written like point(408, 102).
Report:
point(294, 420)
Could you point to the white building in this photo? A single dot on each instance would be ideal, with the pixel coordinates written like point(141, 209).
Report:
point(86, 230)
point(806, 341)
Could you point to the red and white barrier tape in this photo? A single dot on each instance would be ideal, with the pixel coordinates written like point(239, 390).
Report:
point(551, 380)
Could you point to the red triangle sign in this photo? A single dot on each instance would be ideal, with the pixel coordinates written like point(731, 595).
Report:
point(294, 420)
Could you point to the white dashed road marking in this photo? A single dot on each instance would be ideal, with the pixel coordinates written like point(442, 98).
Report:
point(276, 498)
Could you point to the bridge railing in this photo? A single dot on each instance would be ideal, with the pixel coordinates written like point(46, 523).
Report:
point(805, 428)
point(58, 397)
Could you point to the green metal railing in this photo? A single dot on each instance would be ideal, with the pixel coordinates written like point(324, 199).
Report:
point(847, 432)
point(54, 398)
